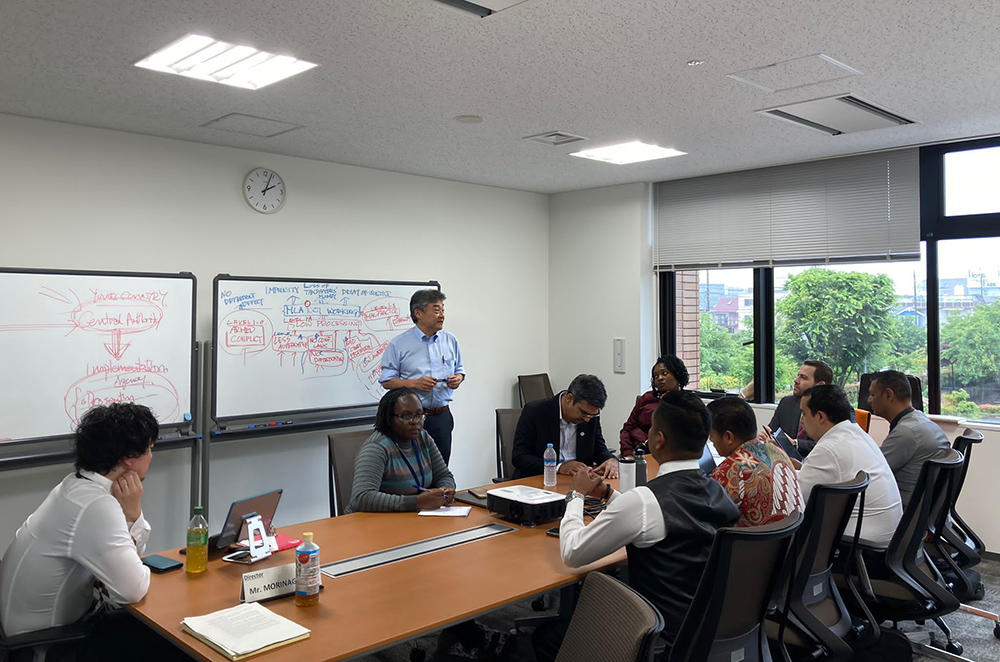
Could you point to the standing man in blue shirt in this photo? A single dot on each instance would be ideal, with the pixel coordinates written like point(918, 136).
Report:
point(427, 359)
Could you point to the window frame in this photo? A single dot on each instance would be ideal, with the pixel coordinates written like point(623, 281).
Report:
point(934, 227)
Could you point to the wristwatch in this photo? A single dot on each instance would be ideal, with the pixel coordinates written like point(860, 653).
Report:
point(573, 494)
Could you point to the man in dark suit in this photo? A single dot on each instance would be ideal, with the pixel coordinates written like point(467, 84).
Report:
point(793, 438)
point(569, 421)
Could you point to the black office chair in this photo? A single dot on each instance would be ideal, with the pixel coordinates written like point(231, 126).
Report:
point(726, 616)
point(534, 387)
point(506, 426)
point(41, 642)
point(966, 545)
point(628, 637)
point(901, 583)
point(916, 392)
point(343, 449)
point(960, 548)
point(813, 620)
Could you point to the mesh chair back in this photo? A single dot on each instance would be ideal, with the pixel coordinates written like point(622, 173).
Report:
point(344, 447)
point(963, 444)
point(816, 610)
point(506, 426)
point(534, 387)
point(725, 619)
point(627, 637)
point(916, 392)
point(924, 520)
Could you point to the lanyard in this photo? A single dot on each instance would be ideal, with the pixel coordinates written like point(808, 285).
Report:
point(420, 465)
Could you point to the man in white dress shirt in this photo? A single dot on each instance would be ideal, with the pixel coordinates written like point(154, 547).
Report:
point(842, 450)
point(667, 526)
point(89, 529)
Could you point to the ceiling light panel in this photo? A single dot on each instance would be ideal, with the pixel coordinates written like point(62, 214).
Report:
point(625, 153)
point(204, 58)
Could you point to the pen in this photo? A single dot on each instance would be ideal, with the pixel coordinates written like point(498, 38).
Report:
point(421, 489)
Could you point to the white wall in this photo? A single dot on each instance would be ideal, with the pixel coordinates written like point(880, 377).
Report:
point(601, 287)
point(84, 198)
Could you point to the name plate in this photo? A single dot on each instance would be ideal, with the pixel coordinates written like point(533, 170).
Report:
point(268, 583)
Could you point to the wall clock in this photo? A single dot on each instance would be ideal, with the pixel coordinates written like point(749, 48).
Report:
point(264, 190)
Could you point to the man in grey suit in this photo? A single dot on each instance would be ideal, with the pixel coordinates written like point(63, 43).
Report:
point(793, 438)
point(913, 438)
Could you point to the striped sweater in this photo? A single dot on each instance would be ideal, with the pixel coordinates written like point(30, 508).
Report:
point(382, 480)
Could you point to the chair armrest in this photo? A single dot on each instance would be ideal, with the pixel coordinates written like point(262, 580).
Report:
point(56, 635)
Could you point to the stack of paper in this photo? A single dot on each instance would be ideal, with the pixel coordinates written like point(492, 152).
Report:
point(244, 630)
point(448, 511)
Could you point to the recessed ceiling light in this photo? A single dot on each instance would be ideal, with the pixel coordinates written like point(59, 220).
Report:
point(695, 63)
point(469, 119)
point(204, 58)
point(625, 153)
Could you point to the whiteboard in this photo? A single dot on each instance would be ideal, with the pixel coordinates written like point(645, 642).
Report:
point(72, 340)
point(285, 346)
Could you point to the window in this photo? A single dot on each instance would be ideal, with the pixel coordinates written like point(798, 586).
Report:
point(970, 178)
point(969, 309)
point(714, 318)
point(857, 317)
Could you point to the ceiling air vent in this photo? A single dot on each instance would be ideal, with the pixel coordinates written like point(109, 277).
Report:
point(837, 115)
point(555, 138)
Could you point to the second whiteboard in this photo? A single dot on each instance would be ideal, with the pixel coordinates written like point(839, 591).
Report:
point(285, 346)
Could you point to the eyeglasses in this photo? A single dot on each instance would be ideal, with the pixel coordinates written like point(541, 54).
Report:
point(587, 415)
point(409, 418)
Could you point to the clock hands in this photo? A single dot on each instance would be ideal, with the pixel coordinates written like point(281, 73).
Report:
point(268, 187)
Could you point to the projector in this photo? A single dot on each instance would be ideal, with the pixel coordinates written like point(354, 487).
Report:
point(526, 505)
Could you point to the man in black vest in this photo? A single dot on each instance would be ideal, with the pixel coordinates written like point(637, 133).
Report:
point(682, 500)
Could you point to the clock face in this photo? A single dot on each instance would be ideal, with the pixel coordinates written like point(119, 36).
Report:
point(264, 190)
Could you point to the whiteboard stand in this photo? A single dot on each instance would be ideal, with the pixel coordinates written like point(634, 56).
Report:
point(204, 447)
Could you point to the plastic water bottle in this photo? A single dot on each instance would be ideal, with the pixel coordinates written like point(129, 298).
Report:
point(307, 577)
point(196, 554)
point(640, 468)
point(549, 458)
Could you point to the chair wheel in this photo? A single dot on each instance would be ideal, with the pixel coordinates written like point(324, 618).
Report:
point(996, 630)
point(538, 604)
point(418, 655)
point(954, 647)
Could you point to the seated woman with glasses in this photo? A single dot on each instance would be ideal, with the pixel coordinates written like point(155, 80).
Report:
point(669, 374)
point(399, 467)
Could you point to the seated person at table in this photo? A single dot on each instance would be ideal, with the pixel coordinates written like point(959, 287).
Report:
point(666, 526)
point(794, 439)
point(669, 374)
point(89, 529)
point(399, 467)
point(569, 421)
point(842, 450)
point(913, 438)
point(757, 475)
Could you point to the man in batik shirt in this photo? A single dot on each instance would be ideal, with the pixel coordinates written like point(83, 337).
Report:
point(756, 474)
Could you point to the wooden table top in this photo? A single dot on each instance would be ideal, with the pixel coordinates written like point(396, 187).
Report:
point(375, 608)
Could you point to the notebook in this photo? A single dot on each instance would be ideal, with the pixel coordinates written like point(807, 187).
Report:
point(244, 630)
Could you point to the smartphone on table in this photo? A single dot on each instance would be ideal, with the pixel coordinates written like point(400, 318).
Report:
point(161, 564)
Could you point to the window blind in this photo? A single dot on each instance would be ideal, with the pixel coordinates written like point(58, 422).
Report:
point(850, 209)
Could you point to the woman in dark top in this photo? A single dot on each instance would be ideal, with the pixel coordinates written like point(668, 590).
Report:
point(668, 374)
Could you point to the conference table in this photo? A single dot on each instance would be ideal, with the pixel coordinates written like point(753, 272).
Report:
point(378, 607)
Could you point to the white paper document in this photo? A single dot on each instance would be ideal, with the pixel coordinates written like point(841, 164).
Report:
point(449, 511)
point(243, 629)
